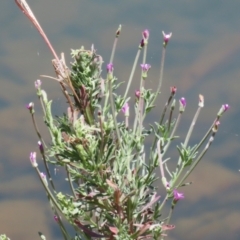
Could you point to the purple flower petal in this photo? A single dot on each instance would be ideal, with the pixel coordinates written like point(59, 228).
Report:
point(145, 34)
point(177, 195)
point(125, 108)
point(38, 83)
point(183, 102)
point(32, 158)
point(110, 68)
point(225, 107)
point(145, 67)
point(166, 37)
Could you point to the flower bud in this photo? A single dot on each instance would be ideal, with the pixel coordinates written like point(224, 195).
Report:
point(32, 158)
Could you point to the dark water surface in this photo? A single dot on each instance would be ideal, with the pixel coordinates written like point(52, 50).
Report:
point(203, 57)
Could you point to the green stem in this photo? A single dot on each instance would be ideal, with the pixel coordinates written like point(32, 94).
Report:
point(70, 181)
point(48, 191)
point(114, 111)
point(189, 133)
point(47, 169)
point(162, 118)
point(115, 43)
point(161, 74)
point(62, 228)
point(163, 202)
point(141, 101)
point(42, 152)
point(198, 159)
point(132, 72)
point(206, 135)
point(36, 128)
point(172, 133)
point(111, 61)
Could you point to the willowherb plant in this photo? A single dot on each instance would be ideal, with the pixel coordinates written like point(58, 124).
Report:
point(112, 178)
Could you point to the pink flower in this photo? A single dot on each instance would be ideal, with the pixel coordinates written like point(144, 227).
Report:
point(125, 109)
point(38, 83)
point(173, 90)
point(137, 94)
point(142, 43)
point(225, 107)
point(110, 68)
point(30, 106)
point(40, 145)
point(183, 104)
point(166, 38)
point(183, 101)
point(145, 34)
point(44, 178)
point(110, 71)
point(177, 195)
point(43, 175)
point(32, 158)
point(145, 67)
point(56, 218)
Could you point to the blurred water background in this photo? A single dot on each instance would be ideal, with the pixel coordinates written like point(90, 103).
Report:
point(203, 57)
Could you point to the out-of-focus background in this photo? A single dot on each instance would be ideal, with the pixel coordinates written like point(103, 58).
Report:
point(203, 56)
